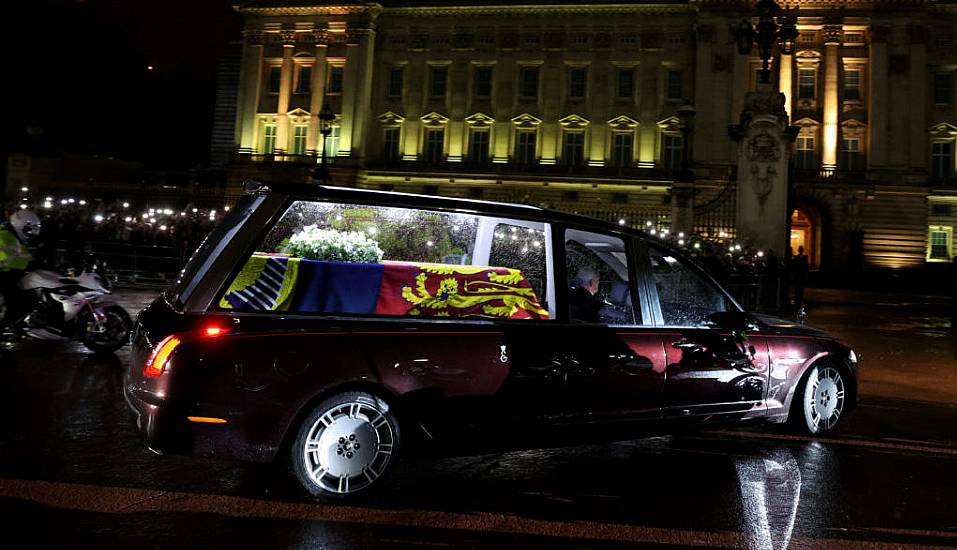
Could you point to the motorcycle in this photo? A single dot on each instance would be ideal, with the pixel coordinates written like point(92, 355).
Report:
point(65, 308)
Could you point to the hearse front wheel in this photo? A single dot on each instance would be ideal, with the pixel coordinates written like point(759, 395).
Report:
point(347, 444)
point(819, 400)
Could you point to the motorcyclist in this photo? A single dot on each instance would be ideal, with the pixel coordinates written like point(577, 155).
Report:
point(15, 258)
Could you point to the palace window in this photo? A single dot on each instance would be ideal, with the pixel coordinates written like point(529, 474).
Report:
point(434, 145)
point(395, 82)
point(299, 139)
point(335, 80)
point(573, 148)
point(525, 147)
point(483, 82)
point(806, 159)
point(626, 83)
point(269, 139)
point(675, 87)
point(852, 84)
point(671, 152)
point(576, 82)
point(940, 243)
point(943, 88)
point(621, 150)
point(942, 160)
point(851, 158)
point(807, 85)
point(478, 146)
point(438, 81)
point(390, 145)
point(303, 81)
point(275, 79)
point(529, 82)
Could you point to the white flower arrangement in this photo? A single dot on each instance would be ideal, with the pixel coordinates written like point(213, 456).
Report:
point(334, 246)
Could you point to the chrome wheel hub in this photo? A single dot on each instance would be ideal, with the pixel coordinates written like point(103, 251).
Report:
point(824, 398)
point(348, 447)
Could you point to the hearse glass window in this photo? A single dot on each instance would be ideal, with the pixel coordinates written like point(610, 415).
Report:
point(330, 258)
point(686, 298)
point(599, 290)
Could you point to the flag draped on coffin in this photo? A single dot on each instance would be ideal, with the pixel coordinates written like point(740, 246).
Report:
point(280, 283)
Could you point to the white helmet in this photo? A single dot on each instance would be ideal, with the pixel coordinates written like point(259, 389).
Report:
point(25, 223)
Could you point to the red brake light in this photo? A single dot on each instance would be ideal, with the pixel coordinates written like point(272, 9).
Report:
point(160, 356)
point(214, 331)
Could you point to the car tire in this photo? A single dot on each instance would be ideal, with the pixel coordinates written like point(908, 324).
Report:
point(348, 444)
point(820, 400)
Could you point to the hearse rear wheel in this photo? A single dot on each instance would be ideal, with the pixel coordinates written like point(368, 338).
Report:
point(347, 444)
point(819, 400)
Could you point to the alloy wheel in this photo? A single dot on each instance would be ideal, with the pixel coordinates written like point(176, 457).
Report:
point(823, 399)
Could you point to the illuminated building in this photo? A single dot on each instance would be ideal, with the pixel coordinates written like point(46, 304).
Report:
point(573, 106)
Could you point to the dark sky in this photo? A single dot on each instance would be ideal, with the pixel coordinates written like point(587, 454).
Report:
point(81, 74)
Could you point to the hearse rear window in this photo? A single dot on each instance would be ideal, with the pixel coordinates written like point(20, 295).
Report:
point(330, 258)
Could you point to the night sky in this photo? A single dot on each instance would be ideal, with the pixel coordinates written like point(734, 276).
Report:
point(77, 77)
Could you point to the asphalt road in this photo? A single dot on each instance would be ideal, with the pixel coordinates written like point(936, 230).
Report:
point(73, 473)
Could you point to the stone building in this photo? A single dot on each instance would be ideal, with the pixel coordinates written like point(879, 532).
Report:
point(574, 105)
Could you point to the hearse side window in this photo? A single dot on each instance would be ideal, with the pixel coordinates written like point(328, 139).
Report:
point(599, 289)
point(686, 298)
point(332, 258)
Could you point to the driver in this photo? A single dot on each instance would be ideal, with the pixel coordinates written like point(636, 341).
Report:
point(15, 258)
point(583, 302)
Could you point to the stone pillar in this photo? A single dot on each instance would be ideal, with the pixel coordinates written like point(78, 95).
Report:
point(832, 38)
point(356, 89)
point(682, 207)
point(649, 109)
point(763, 137)
point(317, 90)
point(285, 91)
point(249, 89)
point(877, 96)
point(917, 119)
point(785, 83)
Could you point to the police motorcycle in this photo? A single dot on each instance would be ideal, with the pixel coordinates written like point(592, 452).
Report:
point(64, 307)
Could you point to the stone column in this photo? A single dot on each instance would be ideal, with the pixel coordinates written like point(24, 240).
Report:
point(832, 38)
point(877, 97)
point(317, 90)
point(285, 91)
point(249, 89)
point(785, 83)
point(356, 89)
point(917, 120)
point(763, 137)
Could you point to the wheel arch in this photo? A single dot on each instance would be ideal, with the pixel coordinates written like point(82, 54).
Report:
point(831, 359)
point(372, 388)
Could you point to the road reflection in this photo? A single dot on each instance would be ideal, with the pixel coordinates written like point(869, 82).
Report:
point(770, 493)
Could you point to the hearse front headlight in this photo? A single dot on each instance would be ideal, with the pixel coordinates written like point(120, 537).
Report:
point(852, 357)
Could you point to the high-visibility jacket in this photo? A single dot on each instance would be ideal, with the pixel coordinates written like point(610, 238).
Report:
point(13, 255)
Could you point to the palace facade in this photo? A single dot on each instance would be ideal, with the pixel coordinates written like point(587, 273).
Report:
point(574, 105)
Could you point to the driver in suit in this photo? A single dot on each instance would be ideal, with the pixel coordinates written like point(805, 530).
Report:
point(583, 302)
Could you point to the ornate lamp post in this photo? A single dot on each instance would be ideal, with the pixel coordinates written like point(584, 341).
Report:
point(686, 115)
point(326, 118)
point(682, 192)
point(770, 30)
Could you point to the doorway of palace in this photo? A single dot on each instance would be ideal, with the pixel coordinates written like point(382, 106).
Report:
point(806, 232)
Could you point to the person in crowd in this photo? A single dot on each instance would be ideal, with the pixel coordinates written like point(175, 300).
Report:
point(800, 268)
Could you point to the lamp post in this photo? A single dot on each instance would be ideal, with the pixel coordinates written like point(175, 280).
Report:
point(770, 30)
point(326, 118)
point(686, 114)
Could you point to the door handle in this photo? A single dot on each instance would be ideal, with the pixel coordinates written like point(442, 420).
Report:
point(686, 346)
point(631, 364)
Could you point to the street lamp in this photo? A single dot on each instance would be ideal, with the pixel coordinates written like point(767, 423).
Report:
point(326, 118)
point(686, 114)
point(769, 31)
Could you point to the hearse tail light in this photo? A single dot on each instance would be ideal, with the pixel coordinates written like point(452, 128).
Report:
point(160, 356)
point(213, 331)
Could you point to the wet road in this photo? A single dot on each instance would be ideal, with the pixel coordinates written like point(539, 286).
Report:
point(72, 472)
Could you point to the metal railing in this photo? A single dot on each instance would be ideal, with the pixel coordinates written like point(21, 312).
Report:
point(140, 264)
